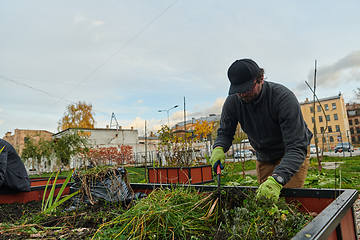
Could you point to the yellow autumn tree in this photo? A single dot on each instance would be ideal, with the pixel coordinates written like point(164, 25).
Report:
point(203, 128)
point(78, 115)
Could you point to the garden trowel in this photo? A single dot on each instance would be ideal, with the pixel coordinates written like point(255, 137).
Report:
point(218, 171)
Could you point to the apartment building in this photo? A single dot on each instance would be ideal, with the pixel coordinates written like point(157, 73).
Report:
point(330, 117)
point(353, 112)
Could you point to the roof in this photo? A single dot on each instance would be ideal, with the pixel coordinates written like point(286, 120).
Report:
point(94, 129)
point(322, 99)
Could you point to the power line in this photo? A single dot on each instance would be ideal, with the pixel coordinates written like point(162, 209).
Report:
point(47, 93)
point(101, 65)
point(36, 89)
point(127, 43)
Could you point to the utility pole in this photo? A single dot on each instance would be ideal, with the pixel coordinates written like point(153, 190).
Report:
point(145, 153)
point(186, 156)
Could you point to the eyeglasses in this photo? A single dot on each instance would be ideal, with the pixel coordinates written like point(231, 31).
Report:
point(249, 91)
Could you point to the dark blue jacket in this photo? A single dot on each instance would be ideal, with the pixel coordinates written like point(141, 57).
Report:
point(274, 125)
point(12, 170)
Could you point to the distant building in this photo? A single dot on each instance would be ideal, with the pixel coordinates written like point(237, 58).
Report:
point(21, 136)
point(107, 137)
point(205, 142)
point(179, 128)
point(353, 113)
point(152, 142)
point(335, 116)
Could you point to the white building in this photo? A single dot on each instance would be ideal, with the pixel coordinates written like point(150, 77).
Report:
point(106, 137)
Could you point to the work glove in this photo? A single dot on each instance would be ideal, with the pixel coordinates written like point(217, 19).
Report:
point(217, 157)
point(269, 189)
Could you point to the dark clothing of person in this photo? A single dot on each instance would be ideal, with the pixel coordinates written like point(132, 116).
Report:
point(274, 125)
point(12, 170)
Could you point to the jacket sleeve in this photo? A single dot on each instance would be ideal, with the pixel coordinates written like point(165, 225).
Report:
point(3, 163)
point(296, 136)
point(228, 124)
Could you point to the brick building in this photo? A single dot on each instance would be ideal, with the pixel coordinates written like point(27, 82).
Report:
point(353, 112)
point(21, 135)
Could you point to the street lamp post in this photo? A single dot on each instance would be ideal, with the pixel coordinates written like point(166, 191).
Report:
point(168, 113)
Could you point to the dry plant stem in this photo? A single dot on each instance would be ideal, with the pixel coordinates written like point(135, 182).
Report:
point(21, 227)
point(212, 208)
point(66, 217)
point(198, 203)
point(303, 206)
point(251, 226)
point(290, 209)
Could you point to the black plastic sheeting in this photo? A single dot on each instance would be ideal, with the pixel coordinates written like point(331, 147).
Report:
point(111, 188)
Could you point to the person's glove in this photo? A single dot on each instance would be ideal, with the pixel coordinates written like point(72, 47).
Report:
point(217, 157)
point(269, 189)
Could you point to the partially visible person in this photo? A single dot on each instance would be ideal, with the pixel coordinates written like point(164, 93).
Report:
point(13, 174)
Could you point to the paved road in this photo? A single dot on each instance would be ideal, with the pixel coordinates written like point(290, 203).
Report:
point(333, 154)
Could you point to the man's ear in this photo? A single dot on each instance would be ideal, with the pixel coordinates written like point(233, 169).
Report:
point(261, 80)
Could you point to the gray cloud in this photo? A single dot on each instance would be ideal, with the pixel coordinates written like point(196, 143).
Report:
point(346, 69)
point(339, 73)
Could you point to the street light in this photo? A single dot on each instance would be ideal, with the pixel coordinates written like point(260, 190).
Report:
point(168, 113)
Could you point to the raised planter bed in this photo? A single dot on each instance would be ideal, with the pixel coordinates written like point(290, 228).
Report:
point(336, 217)
point(186, 175)
point(36, 191)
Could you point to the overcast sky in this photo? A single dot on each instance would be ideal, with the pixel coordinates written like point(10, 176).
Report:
point(132, 58)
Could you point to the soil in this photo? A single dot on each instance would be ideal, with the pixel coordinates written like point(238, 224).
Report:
point(79, 224)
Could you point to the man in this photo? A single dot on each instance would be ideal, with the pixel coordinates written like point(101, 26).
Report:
point(12, 170)
point(270, 115)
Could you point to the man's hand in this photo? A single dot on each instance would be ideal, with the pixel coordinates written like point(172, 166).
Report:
point(269, 189)
point(217, 157)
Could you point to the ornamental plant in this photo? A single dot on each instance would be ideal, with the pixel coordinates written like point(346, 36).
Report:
point(177, 151)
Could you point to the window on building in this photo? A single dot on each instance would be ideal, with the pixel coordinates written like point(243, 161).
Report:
point(351, 130)
point(356, 121)
point(336, 117)
point(350, 122)
point(312, 119)
point(311, 110)
point(318, 108)
point(324, 139)
point(357, 130)
point(321, 129)
point(351, 113)
point(358, 138)
point(331, 139)
point(337, 128)
point(327, 117)
point(326, 107)
point(329, 129)
point(353, 139)
point(334, 106)
point(320, 119)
